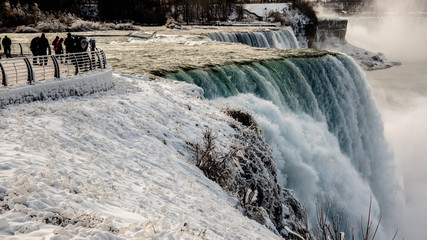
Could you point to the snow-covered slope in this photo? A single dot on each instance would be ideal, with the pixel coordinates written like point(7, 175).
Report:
point(115, 165)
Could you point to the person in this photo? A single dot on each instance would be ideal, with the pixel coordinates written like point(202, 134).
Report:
point(59, 49)
point(0, 49)
point(55, 41)
point(43, 45)
point(69, 43)
point(6, 42)
point(92, 44)
point(84, 43)
point(34, 47)
point(58, 46)
point(77, 45)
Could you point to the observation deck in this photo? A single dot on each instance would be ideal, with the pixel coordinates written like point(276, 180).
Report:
point(26, 78)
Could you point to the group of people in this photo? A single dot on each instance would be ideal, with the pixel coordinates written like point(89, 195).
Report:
point(6, 42)
point(39, 46)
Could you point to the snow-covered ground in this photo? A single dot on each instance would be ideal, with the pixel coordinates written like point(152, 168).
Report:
point(114, 165)
point(263, 9)
point(367, 60)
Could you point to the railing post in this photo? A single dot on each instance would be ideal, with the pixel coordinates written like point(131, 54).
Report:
point(4, 76)
point(104, 59)
point(56, 66)
point(20, 46)
point(101, 64)
point(90, 61)
point(77, 63)
point(30, 71)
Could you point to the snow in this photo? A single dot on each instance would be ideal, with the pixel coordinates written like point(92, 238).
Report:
point(367, 60)
point(262, 9)
point(114, 165)
point(295, 16)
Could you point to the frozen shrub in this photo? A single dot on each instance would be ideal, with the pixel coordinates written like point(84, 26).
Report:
point(248, 171)
point(214, 165)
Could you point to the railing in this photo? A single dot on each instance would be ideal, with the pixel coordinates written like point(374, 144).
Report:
point(29, 69)
point(19, 50)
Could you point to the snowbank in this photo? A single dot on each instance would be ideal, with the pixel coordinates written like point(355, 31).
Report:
point(367, 60)
point(114, 165)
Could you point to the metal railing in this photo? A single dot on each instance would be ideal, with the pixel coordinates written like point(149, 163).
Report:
point(18, 50)
point(29, 69)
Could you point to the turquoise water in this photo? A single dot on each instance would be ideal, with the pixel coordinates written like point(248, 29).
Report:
point(319, 116)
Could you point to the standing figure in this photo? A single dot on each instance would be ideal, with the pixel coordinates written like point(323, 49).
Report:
point(34, 47)
point(59, 49)
point(69, 44)
point(92, 44)
point(84, 44)
point(43, 45)
point(77, 44)
point(6, 42)
point(55, 41)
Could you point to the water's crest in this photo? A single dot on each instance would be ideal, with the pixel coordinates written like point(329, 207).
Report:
point(283, 38)
point(322, 123)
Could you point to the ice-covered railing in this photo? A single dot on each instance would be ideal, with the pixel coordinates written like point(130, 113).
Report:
point(29, 69)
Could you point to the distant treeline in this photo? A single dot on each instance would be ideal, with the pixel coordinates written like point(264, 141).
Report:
point(139, 11)
point(157, 11)
point(144, 12)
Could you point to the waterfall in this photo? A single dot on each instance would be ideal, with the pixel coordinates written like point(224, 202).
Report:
point(283, 38)
point(319, 117)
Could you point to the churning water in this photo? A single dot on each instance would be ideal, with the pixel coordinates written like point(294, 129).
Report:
point(323, 125)
point(401, 95)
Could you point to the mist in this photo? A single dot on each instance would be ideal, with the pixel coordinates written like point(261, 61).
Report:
point(401, 95)
point(401, 38)
point(399, 7)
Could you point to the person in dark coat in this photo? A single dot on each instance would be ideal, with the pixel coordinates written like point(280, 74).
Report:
point(0, 49)
point(34, 47)
point(77, 45)
point(43, 45)
point(92, 44)
point(69, 46)
point(69, 43)
point(6, 42)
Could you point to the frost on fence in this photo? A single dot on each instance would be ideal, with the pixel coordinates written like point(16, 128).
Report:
point(23, 70)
